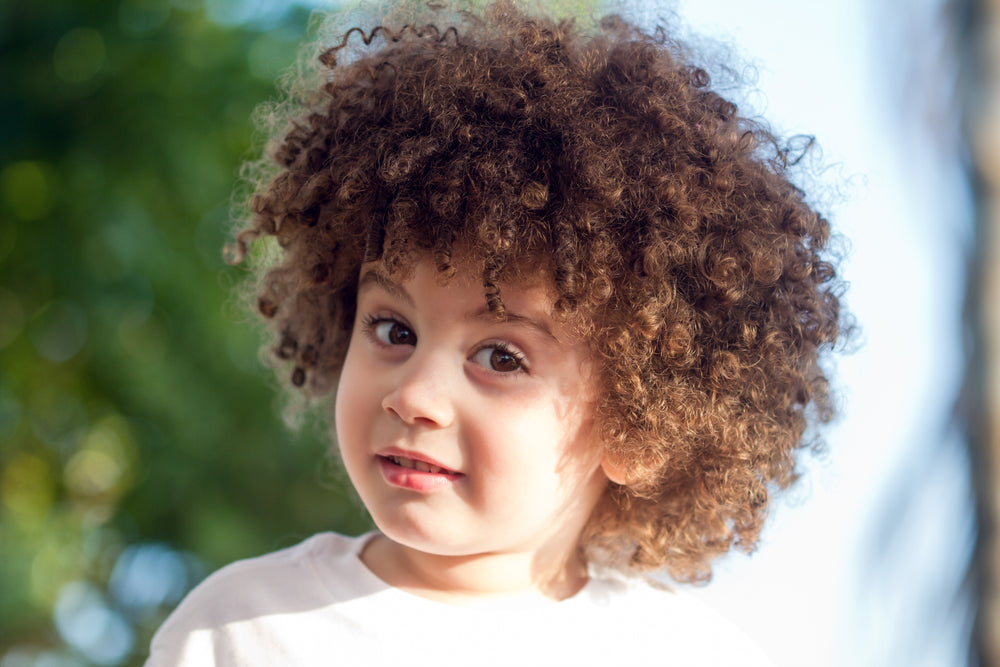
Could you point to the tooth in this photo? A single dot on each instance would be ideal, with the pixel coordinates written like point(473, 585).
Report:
point(422, 467)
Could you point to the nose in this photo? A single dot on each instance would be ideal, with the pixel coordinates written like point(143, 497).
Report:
point(422, 394)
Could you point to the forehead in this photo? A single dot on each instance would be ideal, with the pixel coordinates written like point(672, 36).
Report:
point(530, 276)
point(535, 288)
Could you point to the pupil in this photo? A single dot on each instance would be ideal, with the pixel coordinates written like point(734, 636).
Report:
point(503, 361)
point(400, 335)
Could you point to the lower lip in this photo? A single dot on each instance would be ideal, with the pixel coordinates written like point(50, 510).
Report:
point(415, 480)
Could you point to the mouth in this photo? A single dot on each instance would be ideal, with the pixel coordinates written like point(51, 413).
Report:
point(415, 474)
point(419, 466)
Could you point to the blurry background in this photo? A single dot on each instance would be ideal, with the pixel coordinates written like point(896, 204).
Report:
point(140, 442)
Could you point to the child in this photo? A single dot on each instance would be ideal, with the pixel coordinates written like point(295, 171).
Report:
point(573, 309)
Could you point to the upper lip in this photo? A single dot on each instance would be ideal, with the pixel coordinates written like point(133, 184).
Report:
point(416, 456)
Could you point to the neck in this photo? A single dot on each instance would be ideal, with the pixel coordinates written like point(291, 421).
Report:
point(463, 579)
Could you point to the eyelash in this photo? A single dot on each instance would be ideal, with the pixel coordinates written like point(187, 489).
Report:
point(505, 348)
point(372, 321)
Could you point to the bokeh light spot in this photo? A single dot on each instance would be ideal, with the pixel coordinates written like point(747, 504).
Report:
point(261, 14)
point(25, 188)
point(27, 488)
point(20, 657)
point(101, 468)
point(87, 623)
point(147, 577)
point(58, 659)
point(92, 473)
point(79, 55)
point(59, 331)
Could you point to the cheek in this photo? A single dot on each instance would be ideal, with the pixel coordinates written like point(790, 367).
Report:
point(531, 439)
point(340, 409)
point(351, 390)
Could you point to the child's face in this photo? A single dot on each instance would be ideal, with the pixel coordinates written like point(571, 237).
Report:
point(462, 434)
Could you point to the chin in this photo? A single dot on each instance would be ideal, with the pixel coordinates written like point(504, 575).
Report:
point(432, 540)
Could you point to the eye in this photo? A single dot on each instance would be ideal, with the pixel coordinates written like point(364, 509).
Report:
point(390, 332)
point(499, 358)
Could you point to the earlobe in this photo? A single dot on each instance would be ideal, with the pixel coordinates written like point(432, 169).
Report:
point(613, 471)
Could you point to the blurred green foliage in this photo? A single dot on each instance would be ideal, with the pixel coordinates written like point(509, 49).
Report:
point(133, 411)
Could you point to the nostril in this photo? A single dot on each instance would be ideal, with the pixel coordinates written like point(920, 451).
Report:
point(387, 406)
point(422, 396)
point(416, 408)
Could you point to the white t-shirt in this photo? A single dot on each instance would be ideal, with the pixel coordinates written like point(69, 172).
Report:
point(317, 604)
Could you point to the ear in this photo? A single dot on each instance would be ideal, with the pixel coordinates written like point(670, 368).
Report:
point(614, 471)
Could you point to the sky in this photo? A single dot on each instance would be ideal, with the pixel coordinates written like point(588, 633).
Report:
point(861, 562)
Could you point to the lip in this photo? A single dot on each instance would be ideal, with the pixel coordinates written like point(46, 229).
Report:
point(414, 480)
point(416, 456)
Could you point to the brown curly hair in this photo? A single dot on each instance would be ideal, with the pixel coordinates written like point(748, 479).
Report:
point(668, 224)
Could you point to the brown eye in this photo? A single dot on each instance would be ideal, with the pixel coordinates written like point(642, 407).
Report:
point(499, 359)
point(400, 335)
point(392, 332)
point(504, 362)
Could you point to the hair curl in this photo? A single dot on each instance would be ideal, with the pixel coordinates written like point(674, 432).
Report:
point(667, 222)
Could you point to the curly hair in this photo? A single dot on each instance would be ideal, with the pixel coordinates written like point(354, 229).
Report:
point(667, 222)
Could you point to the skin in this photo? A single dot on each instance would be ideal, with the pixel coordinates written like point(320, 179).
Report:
point(505, 406)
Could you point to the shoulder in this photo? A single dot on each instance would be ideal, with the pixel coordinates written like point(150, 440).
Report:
point(281, 571)
point(657, 620)
point(284, 582)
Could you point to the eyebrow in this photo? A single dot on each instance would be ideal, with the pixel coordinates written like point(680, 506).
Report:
point(374, 277)
point(485, 315)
